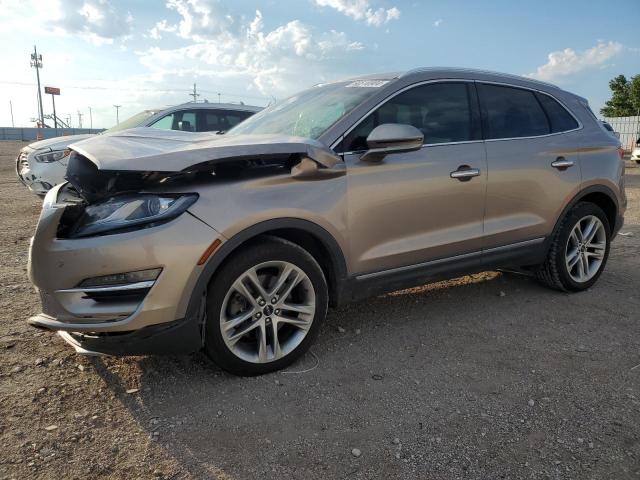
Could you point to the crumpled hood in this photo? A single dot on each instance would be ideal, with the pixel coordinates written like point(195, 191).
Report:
point(151, 149)
point(59, 143)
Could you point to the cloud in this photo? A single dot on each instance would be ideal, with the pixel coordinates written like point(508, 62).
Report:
point(361, 10)
point(563, 63)
point(98, 21)
point(226, 47)
point(438, 22)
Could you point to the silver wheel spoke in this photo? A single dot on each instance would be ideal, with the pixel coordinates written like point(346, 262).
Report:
point(573, 259)
point(252, 275)
point(237, 336)
point(262, 343)
point(585, 266)
point(277, 353)
point(298, 322)
point(306, 309)
point(284, 275)
point(235, 321)
point(241, 288)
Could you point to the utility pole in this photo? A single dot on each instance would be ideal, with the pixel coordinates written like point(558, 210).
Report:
point(218, 97)
point(90, 119)
point(11, 110)
point(36, 61)
point(79, 119)
point(195, 94)
point(117, 114)
point(69, 120)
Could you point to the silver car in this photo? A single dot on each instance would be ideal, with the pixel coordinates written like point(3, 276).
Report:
point(43, 164)
point(163, 241)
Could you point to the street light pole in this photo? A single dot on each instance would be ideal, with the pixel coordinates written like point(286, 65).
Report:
point(90, 119)
point(117, 114)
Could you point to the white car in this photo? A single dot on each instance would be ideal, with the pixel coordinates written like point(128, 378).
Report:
point(635, 154)
point(42, 165)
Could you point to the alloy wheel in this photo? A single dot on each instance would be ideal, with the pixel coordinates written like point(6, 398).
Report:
point(267, 312)
point(585, 250)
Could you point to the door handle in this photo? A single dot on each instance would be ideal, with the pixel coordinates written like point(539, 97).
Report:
point(465, 173)
point(562, 163)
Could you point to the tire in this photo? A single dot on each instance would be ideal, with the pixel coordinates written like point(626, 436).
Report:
point(638, 162)
point(559, 270)
point(233, 294)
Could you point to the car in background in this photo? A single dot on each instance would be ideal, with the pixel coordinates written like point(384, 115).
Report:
point(42, 165)
point(635, 154)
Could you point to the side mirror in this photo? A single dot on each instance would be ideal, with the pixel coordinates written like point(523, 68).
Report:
point(391, 138)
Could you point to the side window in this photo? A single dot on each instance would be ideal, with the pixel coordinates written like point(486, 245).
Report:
point(165, 123)
point(511, 112)
point(560, 119)
point(441, 111)
point(185, 121)
point(221, 120)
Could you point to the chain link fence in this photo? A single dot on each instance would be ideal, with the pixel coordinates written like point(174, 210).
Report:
point(629, 129)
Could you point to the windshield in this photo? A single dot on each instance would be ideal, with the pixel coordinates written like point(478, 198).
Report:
point(309, 113)
point(136, 121)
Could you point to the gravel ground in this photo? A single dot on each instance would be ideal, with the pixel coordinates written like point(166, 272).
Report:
point(484, 377)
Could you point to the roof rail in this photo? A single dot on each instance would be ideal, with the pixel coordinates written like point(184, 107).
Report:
point(477, 70)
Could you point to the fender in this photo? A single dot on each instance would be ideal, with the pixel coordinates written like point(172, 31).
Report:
point(581, 194)
point(195, 305)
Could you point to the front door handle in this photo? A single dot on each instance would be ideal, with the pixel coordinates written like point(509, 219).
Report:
point(465, 173)
point(562, 163)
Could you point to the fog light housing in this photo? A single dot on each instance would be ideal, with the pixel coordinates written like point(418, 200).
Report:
point(121, 278)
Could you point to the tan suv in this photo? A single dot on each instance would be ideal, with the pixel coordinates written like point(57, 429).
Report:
point(236, 244)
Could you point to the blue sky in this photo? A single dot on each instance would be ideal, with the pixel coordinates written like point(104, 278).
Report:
point(142, 54)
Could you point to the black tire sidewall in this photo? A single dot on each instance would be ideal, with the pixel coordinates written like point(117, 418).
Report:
point(268, 249)
point(577, 213)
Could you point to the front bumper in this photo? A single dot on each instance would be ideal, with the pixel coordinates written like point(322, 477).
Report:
point(38, 177)
point(57, 266)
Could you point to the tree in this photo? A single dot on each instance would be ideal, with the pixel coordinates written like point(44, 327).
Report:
point(625, 97)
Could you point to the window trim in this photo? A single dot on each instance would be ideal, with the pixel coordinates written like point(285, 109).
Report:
point(478, 106)
point(534, 90)
point(472, 106)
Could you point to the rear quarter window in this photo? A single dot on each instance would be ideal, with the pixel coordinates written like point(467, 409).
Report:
point(511, 112)
point(559, 118)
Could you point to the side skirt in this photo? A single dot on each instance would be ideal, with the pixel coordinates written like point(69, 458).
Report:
point(529, 252)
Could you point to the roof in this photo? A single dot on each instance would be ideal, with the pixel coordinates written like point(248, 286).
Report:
point(215, 105)
point(459, 70)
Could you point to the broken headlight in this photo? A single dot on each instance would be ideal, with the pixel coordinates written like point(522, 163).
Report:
point(54, 156)
point(130, 212)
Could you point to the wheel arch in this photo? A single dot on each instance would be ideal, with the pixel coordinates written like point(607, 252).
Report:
point(308, 235)
point(600, 195)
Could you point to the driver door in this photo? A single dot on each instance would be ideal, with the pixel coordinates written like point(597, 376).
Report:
point(407, 209)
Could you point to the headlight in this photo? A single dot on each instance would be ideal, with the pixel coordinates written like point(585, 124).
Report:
point(130, 212)
point(48, 157)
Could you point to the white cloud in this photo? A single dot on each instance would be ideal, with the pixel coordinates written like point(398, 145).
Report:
point(362, 10)
point(97, 21)
point(438, 22)
point(563, 63)
point(270, 61)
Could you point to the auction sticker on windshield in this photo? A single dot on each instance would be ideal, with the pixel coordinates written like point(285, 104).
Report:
point(367, 84)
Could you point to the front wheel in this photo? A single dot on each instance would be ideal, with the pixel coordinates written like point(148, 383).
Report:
point(264, 307)
point(579, 250)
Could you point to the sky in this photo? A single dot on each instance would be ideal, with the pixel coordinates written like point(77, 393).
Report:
point(148, 54)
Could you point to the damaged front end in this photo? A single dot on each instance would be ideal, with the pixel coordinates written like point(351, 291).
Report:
point(115, 179)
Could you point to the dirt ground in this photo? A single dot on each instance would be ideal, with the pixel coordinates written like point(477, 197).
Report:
point(484, 377)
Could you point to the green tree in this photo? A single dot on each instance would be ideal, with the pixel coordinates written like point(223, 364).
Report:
point(625, 97)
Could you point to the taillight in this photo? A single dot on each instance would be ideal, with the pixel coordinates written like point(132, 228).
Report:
point(621, 152)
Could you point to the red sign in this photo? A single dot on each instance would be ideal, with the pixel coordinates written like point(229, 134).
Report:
point(52, 90)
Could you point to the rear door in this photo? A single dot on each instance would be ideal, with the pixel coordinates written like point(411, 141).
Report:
point(532, 154)
point(407, 209)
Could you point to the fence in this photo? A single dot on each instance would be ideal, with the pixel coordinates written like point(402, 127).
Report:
point(629, 129)
point(24, 134)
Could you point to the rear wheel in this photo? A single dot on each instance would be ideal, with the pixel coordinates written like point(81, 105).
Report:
point(264, 307)
point(579, 250)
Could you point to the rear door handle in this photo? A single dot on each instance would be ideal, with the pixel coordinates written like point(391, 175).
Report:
point(465, 173)
point(562, 163)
